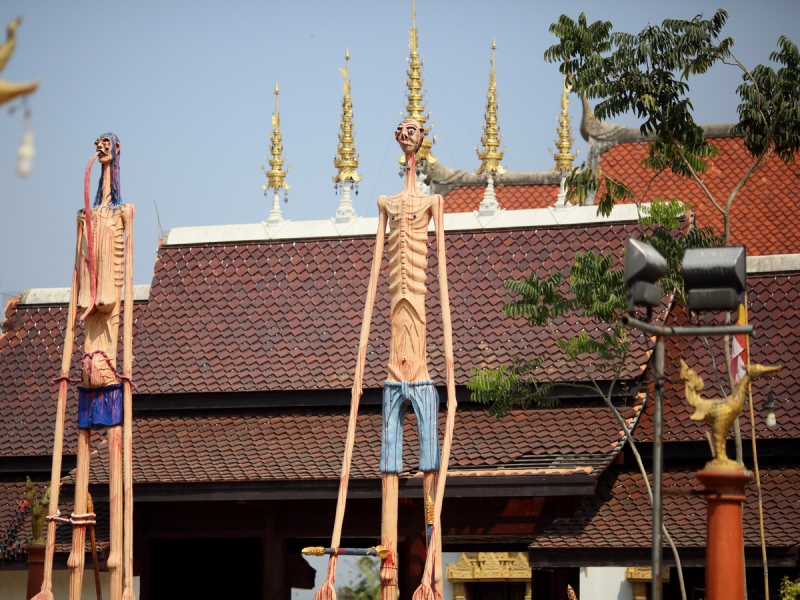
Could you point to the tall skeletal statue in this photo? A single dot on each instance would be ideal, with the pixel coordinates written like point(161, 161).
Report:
point(103, 262)
point(408, 383)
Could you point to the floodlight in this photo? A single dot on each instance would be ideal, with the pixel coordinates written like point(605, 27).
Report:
point(643, 267)
point(714, 277)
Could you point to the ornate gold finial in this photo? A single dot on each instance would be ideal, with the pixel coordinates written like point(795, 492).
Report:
point(346, 161)
point(416, 106)
point(276, 176)
point(564, 156)
point(491, 155)
point(720, 413)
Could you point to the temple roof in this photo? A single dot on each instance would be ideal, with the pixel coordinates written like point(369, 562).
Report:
point(617, 520)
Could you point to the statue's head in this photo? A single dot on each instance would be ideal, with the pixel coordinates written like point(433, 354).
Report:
point(409, 135)
point(108, 149)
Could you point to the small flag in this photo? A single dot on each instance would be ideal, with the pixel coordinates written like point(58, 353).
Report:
point(739, 345)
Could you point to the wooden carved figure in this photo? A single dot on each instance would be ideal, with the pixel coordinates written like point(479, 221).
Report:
point(103, 262)
point(720, 413)
point(407, 216)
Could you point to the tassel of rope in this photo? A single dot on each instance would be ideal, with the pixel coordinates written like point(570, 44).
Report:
point(89, 237)
point(326, 591)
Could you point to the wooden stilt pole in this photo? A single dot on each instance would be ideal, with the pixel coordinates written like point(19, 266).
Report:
point(58, 436)
point(388, 572)
point(95, 563)
point(127, 424)
point(78, 554)
point(114, 562)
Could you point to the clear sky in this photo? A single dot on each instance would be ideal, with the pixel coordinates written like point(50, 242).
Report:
point(188, 88)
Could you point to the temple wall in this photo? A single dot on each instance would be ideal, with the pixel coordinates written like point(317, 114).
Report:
point(604, 583)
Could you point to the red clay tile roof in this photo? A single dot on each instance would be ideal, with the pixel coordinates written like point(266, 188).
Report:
point(619, 515)
point(293, 444)
point(764, 217)
point(30, 353)
point(259, 317)
point(510, 197)
point(775, 314)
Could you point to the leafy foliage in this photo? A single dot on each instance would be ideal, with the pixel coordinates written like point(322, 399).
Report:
point(647, 74)
point(769, 112)
point(368, 586)
point(790, 590)
point(595, 290)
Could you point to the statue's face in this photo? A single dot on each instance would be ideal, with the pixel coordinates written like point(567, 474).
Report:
point(409, 135)
point(103, 146)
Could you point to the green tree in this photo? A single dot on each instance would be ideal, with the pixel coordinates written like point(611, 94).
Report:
point(645, 74)
point(790, 590)
point(368, 585)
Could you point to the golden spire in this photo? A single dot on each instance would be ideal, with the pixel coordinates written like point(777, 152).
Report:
point(276, 176)
point(564, 156)
point(416, 106)
point(346, 161)
point(491, 155)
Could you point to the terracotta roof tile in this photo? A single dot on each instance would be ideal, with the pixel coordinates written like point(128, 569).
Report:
point(619, 514)
point(296, 444)
point(775, 314)
point(764, 216)
point(509, 197)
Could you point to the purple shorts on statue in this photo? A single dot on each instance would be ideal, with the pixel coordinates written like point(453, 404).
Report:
point(100, 407)
point(424, 398)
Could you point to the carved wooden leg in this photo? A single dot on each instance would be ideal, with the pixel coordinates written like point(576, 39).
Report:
point(115, 510)
point(76, 557)
point(388, 573)
point(429, 491)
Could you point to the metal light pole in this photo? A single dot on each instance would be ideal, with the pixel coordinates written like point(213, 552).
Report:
point(662, 332)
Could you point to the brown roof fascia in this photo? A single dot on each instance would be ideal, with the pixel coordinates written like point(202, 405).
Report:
point(550, 558)
point(490, 484)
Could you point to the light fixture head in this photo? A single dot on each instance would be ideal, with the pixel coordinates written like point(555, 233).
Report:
point(643, 267)
point(714, 277)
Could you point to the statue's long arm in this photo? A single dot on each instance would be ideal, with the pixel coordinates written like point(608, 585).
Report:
point(127, 411)
point(359, 375)
point(447, 330)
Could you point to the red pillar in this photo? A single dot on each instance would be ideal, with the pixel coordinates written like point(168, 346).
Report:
point(35, 569)
point(724, 541)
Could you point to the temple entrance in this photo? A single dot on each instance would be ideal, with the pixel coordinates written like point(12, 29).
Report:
point(209, 568)
point(496, 591)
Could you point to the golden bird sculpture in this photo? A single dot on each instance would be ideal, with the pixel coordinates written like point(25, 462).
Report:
point(720, 412)
point(8, 89)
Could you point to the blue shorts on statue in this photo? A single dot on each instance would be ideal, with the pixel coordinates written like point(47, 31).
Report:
point(99, 407)
point(424, 398)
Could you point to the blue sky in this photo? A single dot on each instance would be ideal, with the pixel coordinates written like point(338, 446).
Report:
point(187, 87)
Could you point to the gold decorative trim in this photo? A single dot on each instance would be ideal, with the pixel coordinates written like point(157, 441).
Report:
point(484, 567)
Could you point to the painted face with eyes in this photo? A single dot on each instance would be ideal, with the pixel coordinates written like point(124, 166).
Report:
point(409, 135)
point(103, 145)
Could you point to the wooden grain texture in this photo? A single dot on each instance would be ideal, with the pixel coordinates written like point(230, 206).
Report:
point(127, 425)
point(58, 434)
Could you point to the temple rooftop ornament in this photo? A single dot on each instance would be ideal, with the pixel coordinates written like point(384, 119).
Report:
point(346, 161)
point(416, 106)
point(491, 154)
point(276, 175)
point(564, 156)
